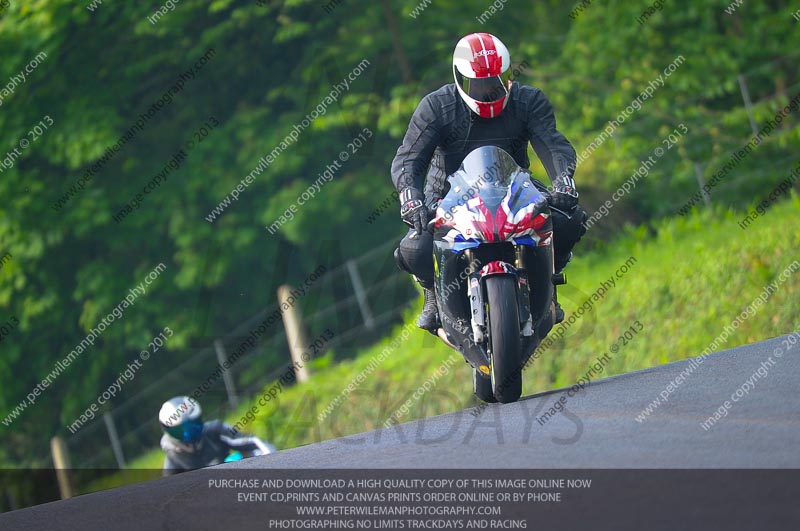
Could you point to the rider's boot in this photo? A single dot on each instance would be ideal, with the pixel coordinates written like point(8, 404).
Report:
point(559, 315)
point(559, 265)
point(429, 318)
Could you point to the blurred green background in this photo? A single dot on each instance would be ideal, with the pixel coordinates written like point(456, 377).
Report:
point(67, 263)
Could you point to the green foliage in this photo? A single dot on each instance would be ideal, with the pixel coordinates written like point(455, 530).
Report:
point(272, 65)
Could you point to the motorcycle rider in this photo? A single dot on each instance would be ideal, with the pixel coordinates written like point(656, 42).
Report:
point(191, 444)
point(483, 107)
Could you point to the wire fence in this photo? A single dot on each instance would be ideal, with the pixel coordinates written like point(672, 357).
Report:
point(703, 174)
point(372, 294)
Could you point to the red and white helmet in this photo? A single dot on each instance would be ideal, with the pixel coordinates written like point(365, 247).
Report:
point(481, 68)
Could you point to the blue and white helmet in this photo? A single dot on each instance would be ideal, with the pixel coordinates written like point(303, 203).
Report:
point(181, 418)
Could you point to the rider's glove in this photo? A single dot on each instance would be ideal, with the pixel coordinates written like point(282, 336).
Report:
point(412, 209)
point(564, 195)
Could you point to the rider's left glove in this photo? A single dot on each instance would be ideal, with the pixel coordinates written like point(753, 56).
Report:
point(564, 195)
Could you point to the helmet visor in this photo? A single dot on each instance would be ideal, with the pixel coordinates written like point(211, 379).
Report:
point(485, 89)
point(189, 431)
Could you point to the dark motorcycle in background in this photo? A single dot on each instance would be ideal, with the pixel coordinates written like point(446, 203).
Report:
point(246, 447)
point(494, 280)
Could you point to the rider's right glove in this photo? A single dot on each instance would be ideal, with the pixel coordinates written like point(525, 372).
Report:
point(412, 209)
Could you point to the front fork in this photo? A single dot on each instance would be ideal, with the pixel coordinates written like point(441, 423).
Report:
point(476, 294)
point(523, 293)
point(476, 299)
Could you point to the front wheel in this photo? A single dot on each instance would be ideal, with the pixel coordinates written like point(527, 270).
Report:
point(504, 338)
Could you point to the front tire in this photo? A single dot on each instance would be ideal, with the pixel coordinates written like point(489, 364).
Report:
point(504, 338)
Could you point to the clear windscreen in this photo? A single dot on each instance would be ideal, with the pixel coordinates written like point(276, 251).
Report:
point(487, 173)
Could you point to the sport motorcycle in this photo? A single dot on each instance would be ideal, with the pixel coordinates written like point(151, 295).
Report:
point(493, 261)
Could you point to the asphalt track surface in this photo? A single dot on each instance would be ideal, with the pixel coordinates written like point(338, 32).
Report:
point(761, 430)
point(598, 430)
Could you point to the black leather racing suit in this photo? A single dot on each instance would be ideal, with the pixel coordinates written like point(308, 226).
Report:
point(443, 131)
